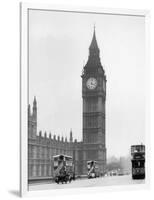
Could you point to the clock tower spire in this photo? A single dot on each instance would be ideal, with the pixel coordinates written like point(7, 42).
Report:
point(94, 97)
point(93, 62)
point(93, 45)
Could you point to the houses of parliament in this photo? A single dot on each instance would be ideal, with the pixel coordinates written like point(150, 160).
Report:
point(42, 146)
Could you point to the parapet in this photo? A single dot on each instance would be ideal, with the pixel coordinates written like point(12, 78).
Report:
point(48, 139)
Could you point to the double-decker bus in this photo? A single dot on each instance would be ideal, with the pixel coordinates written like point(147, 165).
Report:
point(63, 168)
point(138, 161)
point(93, 170)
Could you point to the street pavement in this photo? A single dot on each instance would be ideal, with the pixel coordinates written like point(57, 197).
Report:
point(102, 181)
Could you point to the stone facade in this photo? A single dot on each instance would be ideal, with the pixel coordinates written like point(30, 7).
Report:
point(94, 98)
point(42, 148)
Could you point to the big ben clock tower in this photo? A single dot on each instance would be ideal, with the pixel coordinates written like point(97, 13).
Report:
point(94, 97)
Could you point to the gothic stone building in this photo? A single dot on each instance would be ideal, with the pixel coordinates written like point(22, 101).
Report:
point(42, 148)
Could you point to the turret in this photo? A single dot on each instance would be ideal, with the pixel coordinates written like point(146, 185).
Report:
point(35, 109)
point(40, 133)
point(32, 120)
point(71, 136)
point(29, 111)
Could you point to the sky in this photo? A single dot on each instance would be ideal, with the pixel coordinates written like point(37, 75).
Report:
point(58, 50)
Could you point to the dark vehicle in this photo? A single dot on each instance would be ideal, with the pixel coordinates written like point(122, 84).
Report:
point(63, 169)
point(92, 167)
point(138, 161)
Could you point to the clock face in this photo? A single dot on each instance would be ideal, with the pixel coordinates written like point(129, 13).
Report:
point(91, 83)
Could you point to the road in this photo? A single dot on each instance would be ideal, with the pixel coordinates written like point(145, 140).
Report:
point(103, 181)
